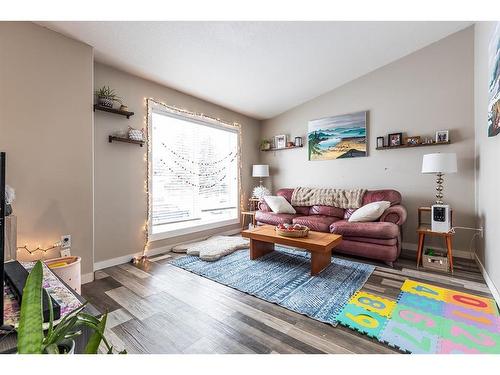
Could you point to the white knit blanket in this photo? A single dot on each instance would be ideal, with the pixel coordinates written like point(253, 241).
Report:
point(341, 198)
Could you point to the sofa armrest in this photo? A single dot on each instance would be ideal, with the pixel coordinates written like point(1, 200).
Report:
point(395, 214)
point(262, 206)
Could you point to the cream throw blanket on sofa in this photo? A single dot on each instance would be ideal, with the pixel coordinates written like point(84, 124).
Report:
point(341, 198)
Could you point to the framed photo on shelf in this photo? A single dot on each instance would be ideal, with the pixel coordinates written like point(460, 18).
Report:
point(412, 141)
point(380, 142)
point(280, 141)
point(395, 139)
point(442, 136)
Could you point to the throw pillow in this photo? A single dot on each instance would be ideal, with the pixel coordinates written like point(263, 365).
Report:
point(370, 211)
point(279, 205)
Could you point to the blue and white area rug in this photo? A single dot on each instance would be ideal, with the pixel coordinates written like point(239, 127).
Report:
point(283, 277)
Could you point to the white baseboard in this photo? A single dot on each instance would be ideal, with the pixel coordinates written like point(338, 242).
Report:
point(456, 253)
point(489, 282)
point(158, 250)
point(87, 278)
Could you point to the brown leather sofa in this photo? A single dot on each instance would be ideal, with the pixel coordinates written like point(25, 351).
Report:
point(379, 240)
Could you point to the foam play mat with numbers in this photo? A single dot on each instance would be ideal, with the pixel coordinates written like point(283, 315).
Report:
point(426, 319)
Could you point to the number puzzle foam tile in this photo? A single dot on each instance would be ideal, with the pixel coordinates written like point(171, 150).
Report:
point(472, 317)
point(470, 301)
point(368, 322)
point(371, 302)
point(409, 339)
point(418, 319)
point(450, 347)
point(425, 290)
point(471, 337)
point(416, 301)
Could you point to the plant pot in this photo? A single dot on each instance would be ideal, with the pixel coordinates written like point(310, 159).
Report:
point(266, 146)
point(66, 347)
point(105, 102)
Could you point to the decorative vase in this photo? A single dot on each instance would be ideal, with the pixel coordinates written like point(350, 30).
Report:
point(105, 102)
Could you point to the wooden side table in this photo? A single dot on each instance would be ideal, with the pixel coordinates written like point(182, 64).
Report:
point(424, 229)
point(244, 215)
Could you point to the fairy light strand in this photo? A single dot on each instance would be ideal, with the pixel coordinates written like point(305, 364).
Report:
point(38, 248)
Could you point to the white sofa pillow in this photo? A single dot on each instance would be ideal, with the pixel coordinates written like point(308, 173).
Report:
point(279, 205)
point(370, 211)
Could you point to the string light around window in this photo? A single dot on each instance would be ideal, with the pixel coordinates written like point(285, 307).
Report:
point(193, 115)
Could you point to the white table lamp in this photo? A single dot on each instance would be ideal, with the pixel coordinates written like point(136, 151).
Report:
point(439, 164)
point(260, 170)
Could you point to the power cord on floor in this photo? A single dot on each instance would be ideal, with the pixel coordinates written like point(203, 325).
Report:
point(479, 231)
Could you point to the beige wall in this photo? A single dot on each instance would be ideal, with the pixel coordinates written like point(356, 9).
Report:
point(429, 90)
point(487, 157)
point(46, 130)
point(120, 201)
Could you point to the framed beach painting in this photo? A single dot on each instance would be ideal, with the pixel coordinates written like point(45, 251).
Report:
point(337, 137)
point(494, 84)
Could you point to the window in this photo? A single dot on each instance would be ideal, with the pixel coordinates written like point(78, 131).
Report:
point(194, 173)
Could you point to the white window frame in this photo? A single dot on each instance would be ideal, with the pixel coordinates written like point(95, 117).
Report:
point(154, 106)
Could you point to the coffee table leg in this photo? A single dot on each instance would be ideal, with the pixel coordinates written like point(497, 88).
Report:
point(260, 248)
point(319, 261)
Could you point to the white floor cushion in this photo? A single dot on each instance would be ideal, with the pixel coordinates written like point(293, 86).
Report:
point(214, 247)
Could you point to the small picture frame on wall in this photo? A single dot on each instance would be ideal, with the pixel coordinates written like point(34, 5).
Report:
point(395, 139)
point(380, 142)
point(412, 141)
point(442, 136)
point(280, 141)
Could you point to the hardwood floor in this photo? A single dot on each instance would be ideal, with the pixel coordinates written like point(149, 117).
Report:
point(155, 307)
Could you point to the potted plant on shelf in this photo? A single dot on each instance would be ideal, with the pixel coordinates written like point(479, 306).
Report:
point(106, 97)
point(265, 144)
point(58, 339)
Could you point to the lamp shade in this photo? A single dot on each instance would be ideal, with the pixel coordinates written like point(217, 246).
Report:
point(260, 170)
point(439, 163)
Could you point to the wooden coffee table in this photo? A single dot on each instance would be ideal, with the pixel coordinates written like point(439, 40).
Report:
point(320, 245)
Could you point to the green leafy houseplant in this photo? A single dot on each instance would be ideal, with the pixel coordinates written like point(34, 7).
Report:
point(31, 338)
point(106, 96)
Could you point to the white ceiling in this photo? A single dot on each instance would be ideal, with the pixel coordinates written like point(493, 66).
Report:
point(260, 69)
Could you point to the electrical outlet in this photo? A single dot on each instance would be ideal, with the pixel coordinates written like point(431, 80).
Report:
point(65, 253)
point(66, 241)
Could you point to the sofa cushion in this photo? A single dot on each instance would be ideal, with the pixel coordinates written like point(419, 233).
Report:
point(318, 223)
point(368, 250)
point(273, 219)
point(286, 193)
point(327, 211)
point(372, 230)
point(279, 205)
point(392, 196)
point(378, 241)
point(370, 212)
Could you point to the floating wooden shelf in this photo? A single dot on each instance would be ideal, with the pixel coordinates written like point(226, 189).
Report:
point(126, 140)
point(284, 148)
point(412, 146)
point(113, 110)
